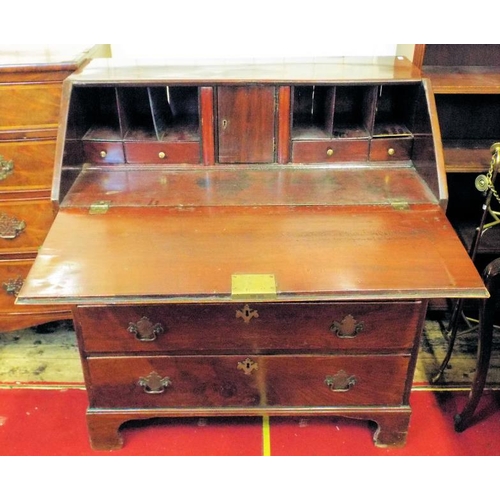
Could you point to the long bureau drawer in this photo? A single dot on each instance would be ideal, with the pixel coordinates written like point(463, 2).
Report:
point(29, 106)
point(24, 226)
point(248, 381)
point(26, 164)
point(259, 327)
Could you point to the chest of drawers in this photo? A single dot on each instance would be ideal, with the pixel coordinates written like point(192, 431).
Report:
point(30, 99)
point(249, 245)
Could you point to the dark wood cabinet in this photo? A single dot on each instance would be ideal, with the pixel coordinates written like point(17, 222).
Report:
point(261, 245)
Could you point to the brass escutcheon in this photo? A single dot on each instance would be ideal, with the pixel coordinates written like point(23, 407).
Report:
point(340, 382)
point(247, 314)
point(248, 366)
point(144, 330)
point(348, 328)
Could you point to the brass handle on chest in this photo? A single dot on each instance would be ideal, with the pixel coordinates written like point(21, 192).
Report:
point(6, 168)
point(348, 328)
point(154, 383)
point(329, 152)
point(144, 330)
point(340, 382)
point(10, 227)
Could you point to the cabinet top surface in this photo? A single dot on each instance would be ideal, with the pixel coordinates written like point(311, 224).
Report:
point(373, 69)
point(27, 57)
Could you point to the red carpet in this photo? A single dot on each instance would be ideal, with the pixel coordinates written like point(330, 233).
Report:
point(44, 422)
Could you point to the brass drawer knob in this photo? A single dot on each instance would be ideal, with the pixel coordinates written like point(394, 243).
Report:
point(340, 382)
point(103, 154)
point(154, 383)
point(329, 152)
point(145, 331)
point(162, 155)
point(391, 152)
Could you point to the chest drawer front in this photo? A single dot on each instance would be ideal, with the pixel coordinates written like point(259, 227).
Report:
point(246, 381)
point(164, 152)
point(393, 149)
point(330, 151)
point(256, 327)
point(24, 225)
point(183, 381)
point(29, 106)
point(26, 164)
point(103, 152)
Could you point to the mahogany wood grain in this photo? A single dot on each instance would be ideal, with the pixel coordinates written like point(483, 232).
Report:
point(393, 149)
point(207, 124)
point(237, 108)
point(278, 327)
point(219, 381)
point(33, 163)
point(366, 252)
point(330, 151)
point(249, 185)
point(30, 106)
point(37, 216)
point(284, 121)
point(162, 152)
point(14, 317)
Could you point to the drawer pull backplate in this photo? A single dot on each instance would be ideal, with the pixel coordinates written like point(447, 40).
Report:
point(6, 168)
point(340, 382)
point(154, 383)
point(348, 328)
point(144, 330)
point(10, 227)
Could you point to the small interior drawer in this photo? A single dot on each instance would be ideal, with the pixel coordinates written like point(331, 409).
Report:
point(103, 152)
point(330, 151)
point(162, 152)
point(392, 149)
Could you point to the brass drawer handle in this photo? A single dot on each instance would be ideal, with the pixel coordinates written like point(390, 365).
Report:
point(348, 328)
point(144, 330)
point(10, 227)
point(162, 155)
point(391, 151)
point(154, 383)
point(6, 168)
point(329, 152)
point(13, 286)
point(103, 154)
point(340, 382)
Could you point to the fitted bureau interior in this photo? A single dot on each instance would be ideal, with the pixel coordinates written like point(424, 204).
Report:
point(156, 127)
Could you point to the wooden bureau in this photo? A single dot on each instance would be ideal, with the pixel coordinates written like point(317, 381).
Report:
point(30, 98)
point(249, 240)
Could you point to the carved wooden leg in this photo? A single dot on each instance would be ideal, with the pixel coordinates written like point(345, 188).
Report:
point(392, 429)
point(104, 431)
point(491, 277)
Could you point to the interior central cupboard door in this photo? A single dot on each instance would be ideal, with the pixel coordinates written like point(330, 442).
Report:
point(246, 124)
